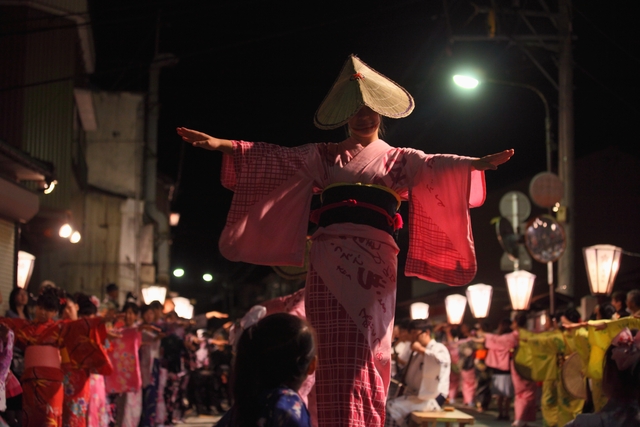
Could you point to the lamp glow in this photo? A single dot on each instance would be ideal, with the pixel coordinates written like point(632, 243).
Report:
point(455, 305)
point(25, 268)
point(50, 187)
point(183, 307)
point(65, 231)
point(419, 310)
point(479, 297)
point(154, 293)
point(178, 272)
point(466, 82)
point(602, 263)
point(75, 237)
point(207, 277)
point(174, 219)
point(520, 286)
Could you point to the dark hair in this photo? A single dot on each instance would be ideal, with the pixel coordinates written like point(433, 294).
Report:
point(504, 326)
point(621, 297)
point(572, 315)
point(607, 311)
point(131, 306)
point(403, 323)
point(420, 325)
point(274, 352)
point(50, 298)
point(112, 287)
point(620, 385)
point(86, 307)
point(521, 319)
point(156, 305)
point(12, 301)
point(144, 308)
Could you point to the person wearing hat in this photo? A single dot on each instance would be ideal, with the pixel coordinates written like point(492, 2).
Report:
point(427, 379)
point(351, 281)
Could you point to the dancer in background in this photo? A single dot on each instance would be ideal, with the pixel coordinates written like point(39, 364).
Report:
point(42, 340)
point(351, 282)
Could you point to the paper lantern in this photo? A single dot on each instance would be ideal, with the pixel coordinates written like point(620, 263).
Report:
point(419, 310)
point(520, 286)
point(602, 263)
point(25, 268)
point(183, 307)
point(455, 305)
point(479, 297)
point(154, 293)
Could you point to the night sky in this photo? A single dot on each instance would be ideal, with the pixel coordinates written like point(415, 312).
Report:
point(257, 70)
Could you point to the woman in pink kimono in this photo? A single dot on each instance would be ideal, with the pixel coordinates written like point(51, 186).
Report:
point(351, 282)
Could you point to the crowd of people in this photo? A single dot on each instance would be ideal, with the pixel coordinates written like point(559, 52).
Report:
point(522, 369)
point(71, 360)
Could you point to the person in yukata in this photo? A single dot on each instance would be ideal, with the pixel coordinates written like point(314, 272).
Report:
point(620, 384)
point(351, 281)
point(427, 380)
point(274, 358)
point(48, 346)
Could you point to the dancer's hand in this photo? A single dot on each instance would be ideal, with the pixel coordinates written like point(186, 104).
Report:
point(492, 161)
point(202, 140)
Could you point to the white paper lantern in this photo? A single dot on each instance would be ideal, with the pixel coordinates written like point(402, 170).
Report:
point(479, 297)
point(183, 307)
point(602, 263)
point(25, 268)
point(455, 305)
point(520, 286)
point(154, 293)
point(419, 310)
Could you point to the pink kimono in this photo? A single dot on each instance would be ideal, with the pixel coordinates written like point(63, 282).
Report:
point(351, 283)
point(500, 347)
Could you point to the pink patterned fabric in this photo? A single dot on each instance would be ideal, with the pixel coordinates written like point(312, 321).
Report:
point(468, 385)
point(98, 415)
point(500, 347)
point(123, 354)
point(350, 293)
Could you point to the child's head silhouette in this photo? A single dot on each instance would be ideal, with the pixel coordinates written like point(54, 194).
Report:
point(278, 351)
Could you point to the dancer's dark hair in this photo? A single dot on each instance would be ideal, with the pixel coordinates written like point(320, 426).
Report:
point(86, 307)
point(275, 352)
point(51, 298)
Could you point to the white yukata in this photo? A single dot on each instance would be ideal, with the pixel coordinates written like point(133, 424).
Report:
point(427, 378)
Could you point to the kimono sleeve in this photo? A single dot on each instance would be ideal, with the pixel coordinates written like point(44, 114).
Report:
point(269, 215)
point(441, 245)
point(504, 342)
point(84, 342)
point(21, 336)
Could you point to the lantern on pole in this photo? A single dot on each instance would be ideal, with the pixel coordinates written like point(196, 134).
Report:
point(154, 293)
point(455, 305)
point(183, 307)
point(520, 286)
point(479, 297)
point(419, 310)
point(602, 263)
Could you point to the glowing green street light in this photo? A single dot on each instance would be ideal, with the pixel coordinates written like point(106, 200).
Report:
point(207, 277)
point(466, 82)
point(178, 272)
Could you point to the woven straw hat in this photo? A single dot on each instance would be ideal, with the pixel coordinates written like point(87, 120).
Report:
point(358, 85)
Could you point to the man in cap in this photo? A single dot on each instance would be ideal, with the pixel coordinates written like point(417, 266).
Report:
point(427, 379)
point(351, 281)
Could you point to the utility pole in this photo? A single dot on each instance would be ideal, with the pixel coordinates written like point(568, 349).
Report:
point(566, 271)
point(557, 42)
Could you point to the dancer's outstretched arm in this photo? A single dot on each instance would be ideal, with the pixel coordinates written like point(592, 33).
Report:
point(202, 140)
point(492, 161)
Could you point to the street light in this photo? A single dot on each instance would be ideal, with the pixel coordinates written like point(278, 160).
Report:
point(602, 263)
point(455, 305)
point(207, 277)
point(470, 82)
point(178, 272)
point(520, 286)
point(479, 297)
point(419, 310)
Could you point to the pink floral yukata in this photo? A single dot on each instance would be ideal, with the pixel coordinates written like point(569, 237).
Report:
point(351, 282)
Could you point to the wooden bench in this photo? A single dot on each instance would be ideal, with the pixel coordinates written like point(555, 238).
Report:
point(430, 419)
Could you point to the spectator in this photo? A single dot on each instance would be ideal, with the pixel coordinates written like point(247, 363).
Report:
point(274, 357)
point(111, 303)
point(427, 380)
point(18, 301)
point(619, 302)
point(498, 358)
point(633, 302)
point(620, 383)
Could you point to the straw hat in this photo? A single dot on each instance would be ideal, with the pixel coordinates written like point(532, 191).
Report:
point(358, 85)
